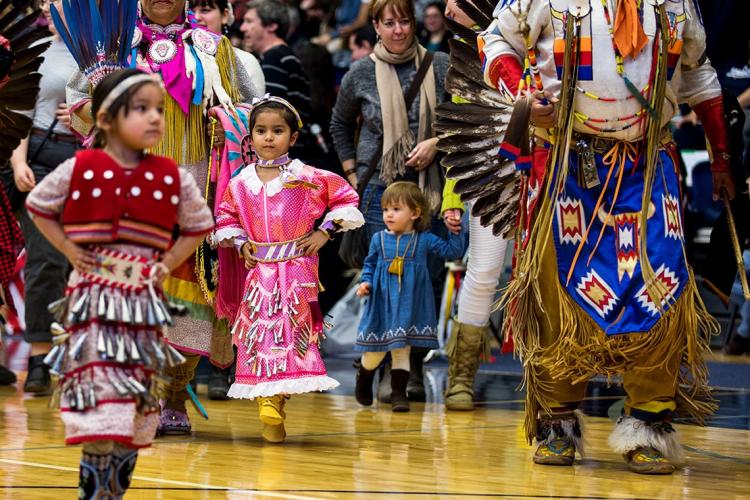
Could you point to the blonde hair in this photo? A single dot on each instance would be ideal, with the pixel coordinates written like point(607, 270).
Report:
point(400, 7)
point(409, 194)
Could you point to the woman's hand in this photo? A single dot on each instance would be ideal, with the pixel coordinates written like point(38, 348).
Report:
point(452, 219)
point(247, 254)
point(24, 178)
point(350, 171)
point(363, 289)
point(313, 242)
point(82, 260)
point(214, 127)
point(543, 114)
point(422, 155)
point(63, 115)
point(159, 273)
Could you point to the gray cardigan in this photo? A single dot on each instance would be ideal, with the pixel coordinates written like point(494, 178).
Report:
point(359, 94)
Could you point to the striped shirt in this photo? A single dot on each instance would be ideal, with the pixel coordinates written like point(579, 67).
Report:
point(285, 78)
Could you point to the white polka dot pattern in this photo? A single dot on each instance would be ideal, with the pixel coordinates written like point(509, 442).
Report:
point(175, 199)
point(108, 174)
point(96, 192)
point(168, 180)
point(75, 195)
point(158, 195)
point(135, 191)
point(149, 176)
point(88, 175)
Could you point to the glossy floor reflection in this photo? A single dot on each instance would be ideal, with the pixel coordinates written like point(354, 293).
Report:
point(336, 449)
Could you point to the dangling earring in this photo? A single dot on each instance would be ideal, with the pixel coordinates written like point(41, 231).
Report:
point(225, 30)
point(187, 10)
point(139, 10)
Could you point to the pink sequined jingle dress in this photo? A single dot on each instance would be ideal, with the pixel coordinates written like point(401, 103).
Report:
point(278, 326)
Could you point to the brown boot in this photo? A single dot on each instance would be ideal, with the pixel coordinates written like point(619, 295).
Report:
point(466, 345)
point(399, 401)
point(648, 460)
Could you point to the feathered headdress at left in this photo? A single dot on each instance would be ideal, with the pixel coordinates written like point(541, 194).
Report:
point(20, 57)
point(99, 38)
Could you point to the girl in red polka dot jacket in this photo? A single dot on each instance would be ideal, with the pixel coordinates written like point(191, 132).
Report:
point(269, 211)
point(112, 212)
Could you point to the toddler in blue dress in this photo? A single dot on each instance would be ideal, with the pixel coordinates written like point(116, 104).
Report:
point(400, 310)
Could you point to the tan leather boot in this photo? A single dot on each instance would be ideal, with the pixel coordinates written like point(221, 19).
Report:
point(466, 345)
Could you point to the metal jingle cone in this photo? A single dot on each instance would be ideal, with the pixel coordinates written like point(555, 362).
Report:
point(120, 357)
point(80, 401)
point(83, 316)
point(121, 389)
point(137, 312)
point(137, 385)
point(165, 310)
point(79, 303)
point(101, 345)
point(176, 355)
point(101, 306)
point(158, 352)
point(56, 329)
point(135, 354)
point(125, 315)
point(92, 397)
point(110, 346)
point(72, 401)
point(111, 314)
point(57, 364)
point(143, 352)
point(57, 308)
point(150, 315)
point(75, 351)
point(51, 355)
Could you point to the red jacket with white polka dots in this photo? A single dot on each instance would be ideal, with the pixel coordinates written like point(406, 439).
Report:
point(108, 203)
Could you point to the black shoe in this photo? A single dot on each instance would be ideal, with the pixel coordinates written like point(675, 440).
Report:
point(399, 401)
point(737, 346)
point(38, 380)
point(415, 388)
point(384, 386)
point(7, 377)
point(363, 389)
point(218, 385)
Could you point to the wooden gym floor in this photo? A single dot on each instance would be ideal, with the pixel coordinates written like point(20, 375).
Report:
point(336, 449)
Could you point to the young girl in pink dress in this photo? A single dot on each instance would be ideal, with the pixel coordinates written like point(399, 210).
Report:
point(269, 210)
point(112, 211)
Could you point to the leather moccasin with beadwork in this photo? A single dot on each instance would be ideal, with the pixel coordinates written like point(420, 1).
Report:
point(648, 460)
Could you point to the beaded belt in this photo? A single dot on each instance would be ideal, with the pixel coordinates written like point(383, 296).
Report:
point(119, 269)
point(276, 251)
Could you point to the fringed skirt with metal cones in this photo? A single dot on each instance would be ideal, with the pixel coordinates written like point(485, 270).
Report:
point(278, 330)
point(109, 349)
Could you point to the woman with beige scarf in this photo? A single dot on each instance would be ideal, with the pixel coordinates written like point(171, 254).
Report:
point(373, 92)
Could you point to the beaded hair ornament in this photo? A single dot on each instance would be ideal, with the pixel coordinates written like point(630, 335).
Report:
point(248, 156)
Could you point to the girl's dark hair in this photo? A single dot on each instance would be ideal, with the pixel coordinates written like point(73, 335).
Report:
point(219, 4)
point(285, 112)
point(104, 88)
point(409, 194)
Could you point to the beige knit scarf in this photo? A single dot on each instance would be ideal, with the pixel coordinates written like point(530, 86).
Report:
point(398, 140)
